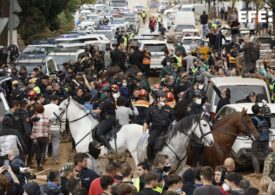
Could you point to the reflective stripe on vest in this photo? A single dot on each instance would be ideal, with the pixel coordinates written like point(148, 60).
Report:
point(142, 103)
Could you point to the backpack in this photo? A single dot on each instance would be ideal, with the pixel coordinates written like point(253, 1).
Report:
point(263, 129)
point(255, 54)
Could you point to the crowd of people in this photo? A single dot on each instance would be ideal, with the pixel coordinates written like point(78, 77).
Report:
point(121, 93)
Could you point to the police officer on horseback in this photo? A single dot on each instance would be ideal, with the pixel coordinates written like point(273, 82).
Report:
point(261, 120)
point(160, 117)
point(107, 111)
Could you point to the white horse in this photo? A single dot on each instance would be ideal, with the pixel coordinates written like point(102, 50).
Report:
point(131, 137)
point(178, 140)
point(81, 124)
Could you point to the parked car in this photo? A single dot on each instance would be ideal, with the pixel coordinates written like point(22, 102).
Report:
point(175, 32)
point(239, 88)
point(138, 9)
point(241, 149)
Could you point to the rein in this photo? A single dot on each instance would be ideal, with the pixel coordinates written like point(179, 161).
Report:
point(72, 121)
point(249, 131)
point(191, 138)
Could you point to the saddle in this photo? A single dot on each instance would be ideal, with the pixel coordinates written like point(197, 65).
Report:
point(160, 142)
point(110, 135)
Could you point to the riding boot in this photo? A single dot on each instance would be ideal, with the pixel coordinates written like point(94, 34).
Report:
point(150, 153)
point(107, 144)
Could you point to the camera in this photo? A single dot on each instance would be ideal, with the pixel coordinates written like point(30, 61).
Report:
point(265, 110)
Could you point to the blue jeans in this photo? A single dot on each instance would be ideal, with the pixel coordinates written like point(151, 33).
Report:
point(55, 144)
point(204, 29)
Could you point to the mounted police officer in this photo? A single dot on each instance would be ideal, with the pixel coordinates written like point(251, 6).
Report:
point(160, 117)
point(195, 107)
point(107, 111)
point(261, 121)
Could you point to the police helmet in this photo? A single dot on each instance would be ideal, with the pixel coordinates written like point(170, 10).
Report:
point(160, 93)
point(199, 79)
point(197, 93)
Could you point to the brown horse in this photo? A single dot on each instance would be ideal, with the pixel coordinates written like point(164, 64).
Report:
point(225, 131)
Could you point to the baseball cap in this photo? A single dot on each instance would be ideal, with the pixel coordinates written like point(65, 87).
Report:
point(252, 94)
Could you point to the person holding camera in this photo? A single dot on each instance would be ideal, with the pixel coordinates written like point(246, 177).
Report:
point(262, 123)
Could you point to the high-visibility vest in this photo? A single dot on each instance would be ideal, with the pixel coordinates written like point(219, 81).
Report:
point(131, 36)
point(232, 60)
point(214, 25)
point(143, 14)
point(136, 183)
point(125, 41)
point(37, 90)
point(179, 59)
point(142, 103)
point(158, 189)
point(172, 104)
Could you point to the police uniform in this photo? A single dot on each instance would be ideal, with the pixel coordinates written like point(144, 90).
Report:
point(142, 107)
point(269, 165)
point(107, 121)
point(160, 118)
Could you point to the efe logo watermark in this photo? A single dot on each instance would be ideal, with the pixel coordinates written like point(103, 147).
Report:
point(250, 16)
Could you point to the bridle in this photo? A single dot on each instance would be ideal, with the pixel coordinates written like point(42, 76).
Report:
point(59, 117)
point(248, 130)
point(190, 136)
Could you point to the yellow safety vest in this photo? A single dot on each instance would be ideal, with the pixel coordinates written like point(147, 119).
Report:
point(125, 41)
point(158, 189)
point(214, 25)
point(143, 14)
point(136, 183)
point(37, 90)
point(232, 60)
point(179, 59)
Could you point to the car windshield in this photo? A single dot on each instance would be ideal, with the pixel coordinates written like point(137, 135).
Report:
point(37, 50)
point(156, 47)
point(179, 28)
point(264, 40)
point(189, 41)
point(118, 3)
point(60, 59)
point(91, 17)
point(108, 34)
point(164, 3)
point(186, 9)
point(30, 66)
point(118, 21)
point(241, 92)
point(131, 20)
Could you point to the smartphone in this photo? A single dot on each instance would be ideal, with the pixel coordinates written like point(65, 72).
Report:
point(6, 164)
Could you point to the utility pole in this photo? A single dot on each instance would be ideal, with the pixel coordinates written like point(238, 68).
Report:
point(11, 21)
point(4, 9)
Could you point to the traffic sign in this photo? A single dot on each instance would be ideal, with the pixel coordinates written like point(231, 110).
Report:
point(16, 21)
point(16, 7)
point(3, 23)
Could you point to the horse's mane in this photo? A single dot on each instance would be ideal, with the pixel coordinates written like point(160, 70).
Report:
point(181, 109)
point(185, 124)
point(81, 107)
point(224, 119)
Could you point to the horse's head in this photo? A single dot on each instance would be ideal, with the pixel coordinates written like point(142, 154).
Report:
point(61, 114)
point(203, 130)
point(247, 127)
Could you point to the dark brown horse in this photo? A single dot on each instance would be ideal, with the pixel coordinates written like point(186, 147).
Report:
point(225, 131)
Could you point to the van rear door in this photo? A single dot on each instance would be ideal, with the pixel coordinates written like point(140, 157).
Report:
point(157, 51)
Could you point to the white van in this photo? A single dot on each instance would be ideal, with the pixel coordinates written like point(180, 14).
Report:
point(156, 49)
point(239, 89)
